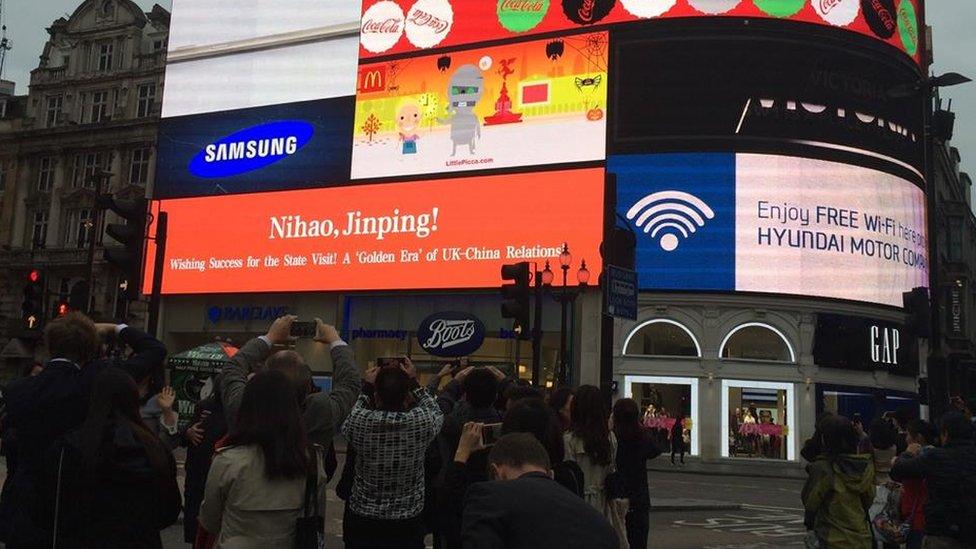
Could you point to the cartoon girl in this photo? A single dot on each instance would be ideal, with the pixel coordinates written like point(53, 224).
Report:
point(407, 122)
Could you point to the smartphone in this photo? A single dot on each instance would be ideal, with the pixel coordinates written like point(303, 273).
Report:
point(490, 433)
point(303, 329)
point(385, 361)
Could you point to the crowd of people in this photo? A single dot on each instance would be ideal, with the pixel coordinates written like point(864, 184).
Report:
point(474, 459)
point(899, 482)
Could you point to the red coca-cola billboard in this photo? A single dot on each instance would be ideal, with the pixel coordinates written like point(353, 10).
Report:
point(446, 23)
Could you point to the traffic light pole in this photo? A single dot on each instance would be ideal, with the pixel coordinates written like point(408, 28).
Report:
point(97, 217)
point(537, 330)
point(158, 264)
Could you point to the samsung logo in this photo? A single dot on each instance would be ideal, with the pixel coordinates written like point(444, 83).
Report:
point(251, 149)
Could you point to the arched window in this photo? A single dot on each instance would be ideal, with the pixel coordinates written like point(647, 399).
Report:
point(757, 341)
point(661, 337)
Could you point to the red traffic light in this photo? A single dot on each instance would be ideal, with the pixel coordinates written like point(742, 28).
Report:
point(34, 275)
point(62, 309)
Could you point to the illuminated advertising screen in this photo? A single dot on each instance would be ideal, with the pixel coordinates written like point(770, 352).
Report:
point(296, 145)
point(223, 55)
point(448, 233)
point(799, 98)
point(495, 107)
point(401, 26)
point(773, 224)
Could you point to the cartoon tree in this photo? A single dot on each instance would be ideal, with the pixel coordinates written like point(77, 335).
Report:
point(371, 126)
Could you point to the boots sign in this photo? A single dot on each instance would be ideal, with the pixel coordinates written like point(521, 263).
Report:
point(451, 334)
point(862, 343)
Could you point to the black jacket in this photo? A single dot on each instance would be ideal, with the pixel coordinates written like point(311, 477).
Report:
point(944, 470)
point(632, 456)
point(198, 458)
point(124, 502)
point(532, 512)
point(45, 407)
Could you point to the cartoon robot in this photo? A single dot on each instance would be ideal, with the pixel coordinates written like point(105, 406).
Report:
point(463, 93)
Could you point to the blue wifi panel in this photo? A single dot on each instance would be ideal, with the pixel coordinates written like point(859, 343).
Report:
point(682, 207)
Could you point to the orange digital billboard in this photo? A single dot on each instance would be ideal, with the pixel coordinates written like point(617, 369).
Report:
point(443, 234)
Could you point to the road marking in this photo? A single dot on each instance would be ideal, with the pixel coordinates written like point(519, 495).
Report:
point(780, 525)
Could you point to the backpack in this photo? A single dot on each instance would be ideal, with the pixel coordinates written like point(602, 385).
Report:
point(887, 523)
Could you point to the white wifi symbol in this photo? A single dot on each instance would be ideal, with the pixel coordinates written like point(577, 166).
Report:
point(675, 210)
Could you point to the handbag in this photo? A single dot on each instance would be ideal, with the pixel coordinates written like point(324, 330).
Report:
point(885, 517)
point(310, 526)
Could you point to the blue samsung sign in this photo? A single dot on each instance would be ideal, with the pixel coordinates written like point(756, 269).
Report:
point(272, 148)
point(251, 149)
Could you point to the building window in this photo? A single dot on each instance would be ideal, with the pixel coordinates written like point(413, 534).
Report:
point(79, 228)
point(54, 104)
point(955, 239)
point(99, 107)
point(157, 45)
point(86, 167)
point(139, 169)
point(755, 341)
point(147, 100)
point(758, 420)
point(661, 337)
point(105, 50)
point(39, 232)
point(664, 401)
point(3, 177)
point(45, 174)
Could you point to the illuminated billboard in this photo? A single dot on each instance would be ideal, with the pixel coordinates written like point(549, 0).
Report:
point(773, 224)
point(401, 26)
point(291, 146)
point(223, 55)
point(494, 107)
point(443, 234)
point(802, 98)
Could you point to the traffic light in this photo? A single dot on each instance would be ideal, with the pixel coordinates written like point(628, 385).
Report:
point(61, 308)
point(515, 297)
point(132, 236)
point(33, 305)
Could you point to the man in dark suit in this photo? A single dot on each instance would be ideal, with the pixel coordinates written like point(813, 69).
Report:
point(45, 407)
point(525, 508)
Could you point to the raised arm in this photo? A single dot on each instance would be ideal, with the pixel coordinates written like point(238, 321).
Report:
point(233, 377)
point(325, 412)
point(148, 352)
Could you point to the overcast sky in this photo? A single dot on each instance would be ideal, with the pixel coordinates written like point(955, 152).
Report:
point(953, 23)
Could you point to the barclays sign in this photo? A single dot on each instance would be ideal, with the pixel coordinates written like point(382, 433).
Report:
point(451, 334)
point(243, 313)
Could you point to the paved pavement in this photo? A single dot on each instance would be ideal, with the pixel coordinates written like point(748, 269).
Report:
point(690, 511)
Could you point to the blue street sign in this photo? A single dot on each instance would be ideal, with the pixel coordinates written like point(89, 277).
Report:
point(621, 289)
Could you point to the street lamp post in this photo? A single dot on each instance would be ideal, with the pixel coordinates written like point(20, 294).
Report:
point(565, 296)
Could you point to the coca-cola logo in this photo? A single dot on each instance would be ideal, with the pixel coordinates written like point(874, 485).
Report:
point(827, 5)
point(521, 15)
point(587, 12)
point(386, 26)
point(837, 12)
point(880, 15)
point(381, 27)
point(429, 22)
point(451, 334)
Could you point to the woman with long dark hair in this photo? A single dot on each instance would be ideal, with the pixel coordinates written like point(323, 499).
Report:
point(561, 402)
point(113, 480)
point(255, 491)
point(635, 447)
point(590, 443)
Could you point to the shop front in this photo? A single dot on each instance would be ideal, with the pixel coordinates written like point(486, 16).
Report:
point(431, 329)
point(742, 372)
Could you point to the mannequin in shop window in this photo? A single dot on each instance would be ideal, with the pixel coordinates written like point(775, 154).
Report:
point(747, 417)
